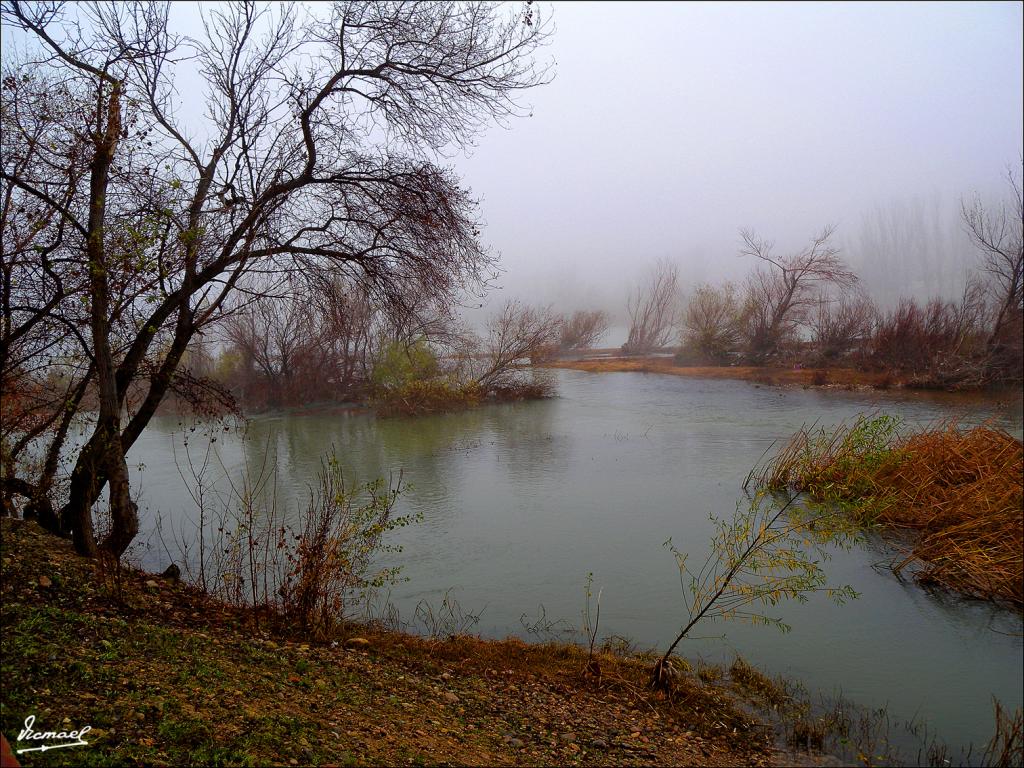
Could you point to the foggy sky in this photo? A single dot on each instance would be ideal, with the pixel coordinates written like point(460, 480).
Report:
point(669, 126)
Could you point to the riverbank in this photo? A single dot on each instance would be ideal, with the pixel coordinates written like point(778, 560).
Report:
point(844, 378)
point(165, 676)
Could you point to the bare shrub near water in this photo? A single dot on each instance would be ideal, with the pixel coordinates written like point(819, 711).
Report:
point(711, 323)
point(1007, 745)
point(332, 551)
point(515, 334)
point(420, 397)
point(781, 292)
point(998, 234)
point(582, 329)
point(840, 327)
point(653, 308)
point(768, 551)
point(428, 378)
point(447, 621)
point(310, 568)
point(940, 344)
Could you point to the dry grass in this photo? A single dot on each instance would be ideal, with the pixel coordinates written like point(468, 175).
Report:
point(772, 375)
point(1007, 746)
point(960, 489)
point(751, 679)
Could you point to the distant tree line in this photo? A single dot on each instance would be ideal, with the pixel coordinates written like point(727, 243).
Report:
point(807, 307)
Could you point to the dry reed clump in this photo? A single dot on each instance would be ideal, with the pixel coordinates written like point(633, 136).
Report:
point(960, 489)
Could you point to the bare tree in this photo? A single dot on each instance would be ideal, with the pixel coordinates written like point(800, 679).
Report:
point(312, 339)
point(272, 335)
point(653, 306)
point(345, 333)
point(515, 336)
point(841, 326)
point(780, 293)
point(583, 329)
point(909, 246)
point(315, 156)
point(44, 369)
point(999, 236)
point(711, 322)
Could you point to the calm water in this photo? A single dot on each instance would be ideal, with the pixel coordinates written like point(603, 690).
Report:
point(520, 502)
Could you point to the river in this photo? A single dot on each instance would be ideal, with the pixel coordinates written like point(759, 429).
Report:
point(520, 502)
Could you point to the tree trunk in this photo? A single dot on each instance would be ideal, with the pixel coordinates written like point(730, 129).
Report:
point(103, 457)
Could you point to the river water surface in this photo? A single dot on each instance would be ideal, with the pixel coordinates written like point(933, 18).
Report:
point(521, 501)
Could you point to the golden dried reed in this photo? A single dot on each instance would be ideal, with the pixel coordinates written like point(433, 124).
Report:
point(962, 490)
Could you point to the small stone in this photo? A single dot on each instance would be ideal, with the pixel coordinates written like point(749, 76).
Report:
point(567, 737)
point(151, 584)
point(44, 582)
point(516, 743)
point(292, 761)
point(599, 744)
point(172, 572)
point(450, 697)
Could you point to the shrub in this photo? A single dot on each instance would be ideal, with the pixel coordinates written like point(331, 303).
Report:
point(428, 396)
point(839, 328)
point(937, 343)
point(330, 557)
point(711, 325)
point(307, 573)
point(535, 389)
point(582, 329)
point(400, 364)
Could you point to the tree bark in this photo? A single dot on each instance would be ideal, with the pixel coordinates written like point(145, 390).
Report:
point(104, 454)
